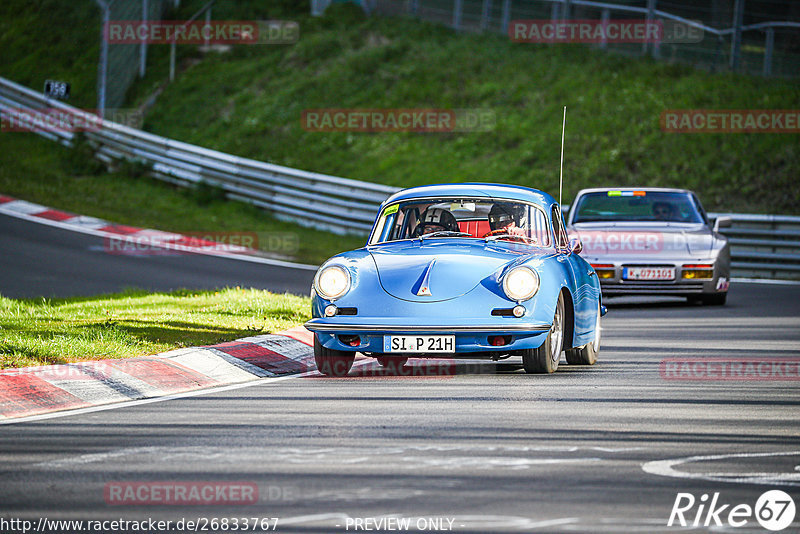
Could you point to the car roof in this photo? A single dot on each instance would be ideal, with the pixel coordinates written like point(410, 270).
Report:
point(475, 189)
point(645, 189)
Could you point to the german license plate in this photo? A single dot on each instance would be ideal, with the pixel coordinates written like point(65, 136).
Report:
point(419, 343)
point(648, 273)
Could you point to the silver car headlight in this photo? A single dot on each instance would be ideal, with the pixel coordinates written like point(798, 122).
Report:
point(332, 282)
point(520, 283)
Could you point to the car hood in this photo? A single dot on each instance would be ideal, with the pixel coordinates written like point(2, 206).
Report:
point(643, 240)
point(448, 267)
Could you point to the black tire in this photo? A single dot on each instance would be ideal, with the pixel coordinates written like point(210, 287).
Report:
point(716, 299)
point(544, 360)
point(331, 362)
point(710, 299)
point(586, 355)
point(393, 363)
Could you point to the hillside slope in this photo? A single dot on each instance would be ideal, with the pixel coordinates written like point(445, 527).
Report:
point(250, 102)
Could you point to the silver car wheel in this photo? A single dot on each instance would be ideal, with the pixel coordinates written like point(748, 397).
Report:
point(557, 332)
point(596, 342)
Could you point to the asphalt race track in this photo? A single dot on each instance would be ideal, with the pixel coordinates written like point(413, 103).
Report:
point(481, 448)
point(38, 260)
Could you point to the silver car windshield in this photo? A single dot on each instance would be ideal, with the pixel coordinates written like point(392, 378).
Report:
point(647, 206)
point(462, 218)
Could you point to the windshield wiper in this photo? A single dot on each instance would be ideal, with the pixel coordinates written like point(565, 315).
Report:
point(448, 233)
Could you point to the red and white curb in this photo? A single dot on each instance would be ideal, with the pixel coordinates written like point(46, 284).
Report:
point(132, 235)
point(33, 391)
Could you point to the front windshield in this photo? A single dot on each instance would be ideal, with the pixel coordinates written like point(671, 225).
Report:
point(647, 206)
point(462, 218)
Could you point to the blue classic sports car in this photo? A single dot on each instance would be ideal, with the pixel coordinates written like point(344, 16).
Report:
point(459, 270)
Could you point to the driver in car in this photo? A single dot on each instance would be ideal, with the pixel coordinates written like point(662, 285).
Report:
point(436, 220)
point(504, 221)
point(663, 211)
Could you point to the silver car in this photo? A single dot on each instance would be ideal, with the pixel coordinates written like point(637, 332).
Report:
point(652, 241)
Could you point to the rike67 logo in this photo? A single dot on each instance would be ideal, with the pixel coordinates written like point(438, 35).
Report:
point(774, 510)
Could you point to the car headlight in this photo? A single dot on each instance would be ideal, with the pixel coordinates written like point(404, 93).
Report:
point(332, 282)
point(520, 283)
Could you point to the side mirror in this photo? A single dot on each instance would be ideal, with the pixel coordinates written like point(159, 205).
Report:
point(575, 246)
point(722, 222)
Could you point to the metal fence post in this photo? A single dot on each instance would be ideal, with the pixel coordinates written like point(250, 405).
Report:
point(604, 16)
point(172, 61)
point(457, 14)
point(208, 24)
point(486, 14)
point(143, 44)
point(768, 46)
point(736, 40)
point(651, 14)
point(567, 12)
point(506, 16)
point(102, 67)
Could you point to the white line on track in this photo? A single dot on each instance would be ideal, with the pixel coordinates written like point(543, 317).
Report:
point(182, 248)
point(766, 281)
point(667, 468)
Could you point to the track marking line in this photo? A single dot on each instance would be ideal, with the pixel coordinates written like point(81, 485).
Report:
point(766, 281)
point(667, 468)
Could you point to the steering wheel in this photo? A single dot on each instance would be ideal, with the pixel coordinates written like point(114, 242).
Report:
point(421, 226)
point(506, 235)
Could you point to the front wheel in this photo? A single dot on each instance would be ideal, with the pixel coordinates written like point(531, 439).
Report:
point(331, 362)
point(545, 358)
point(586, 355)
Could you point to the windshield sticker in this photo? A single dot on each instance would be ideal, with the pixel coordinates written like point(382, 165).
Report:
point(627, 193)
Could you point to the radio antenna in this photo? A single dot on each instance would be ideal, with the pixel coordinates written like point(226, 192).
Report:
point(561, 172)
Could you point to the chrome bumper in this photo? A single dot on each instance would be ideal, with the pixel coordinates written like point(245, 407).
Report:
point(316, 325)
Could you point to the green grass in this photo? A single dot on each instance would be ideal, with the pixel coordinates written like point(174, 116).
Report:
point(38, 170)
point(249, 102)
point(51, 39)
point(136, 323)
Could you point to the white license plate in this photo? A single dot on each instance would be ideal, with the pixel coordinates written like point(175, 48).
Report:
point(419, 343)
point(648, 273)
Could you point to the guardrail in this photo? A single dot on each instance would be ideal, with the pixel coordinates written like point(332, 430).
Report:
point(329, 202)
point(766, 246)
